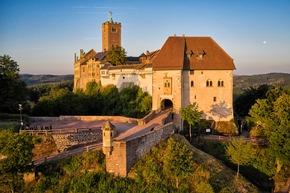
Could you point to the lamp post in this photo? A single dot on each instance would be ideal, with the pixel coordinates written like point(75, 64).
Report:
point(20, 110)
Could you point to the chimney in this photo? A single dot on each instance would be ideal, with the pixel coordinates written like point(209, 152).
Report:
point(75, 57)
point(147, 52)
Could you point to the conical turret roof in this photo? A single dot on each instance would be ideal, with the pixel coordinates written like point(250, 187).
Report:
point(108, 126)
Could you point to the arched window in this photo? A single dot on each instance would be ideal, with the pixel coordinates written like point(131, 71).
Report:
point(192, 83)
point(209, 83)
point(220, 83)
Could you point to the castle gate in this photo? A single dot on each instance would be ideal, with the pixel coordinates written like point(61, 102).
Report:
point(166, 104)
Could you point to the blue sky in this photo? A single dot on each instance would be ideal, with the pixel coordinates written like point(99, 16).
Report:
point(43, 35)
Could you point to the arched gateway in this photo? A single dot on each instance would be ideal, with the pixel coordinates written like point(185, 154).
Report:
point(166, 104)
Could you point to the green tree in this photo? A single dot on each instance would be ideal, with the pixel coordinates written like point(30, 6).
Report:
point(191, 114)
point(116, 55)
point(244, 102)
point(271, 118)
point(240, 152)
point(144, 105)
point(110, 99)
point(178, 162)
point(16, 154)
point(13, 91)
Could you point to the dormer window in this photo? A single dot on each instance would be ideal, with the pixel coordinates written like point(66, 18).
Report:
point(189, 53)
point(200, 54)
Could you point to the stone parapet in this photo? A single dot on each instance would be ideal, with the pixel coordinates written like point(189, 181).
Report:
point(126, 153)
point(86, 118)
point(99, 118)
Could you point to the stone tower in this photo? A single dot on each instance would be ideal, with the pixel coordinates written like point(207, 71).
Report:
point(111, 34)
point(108, 137)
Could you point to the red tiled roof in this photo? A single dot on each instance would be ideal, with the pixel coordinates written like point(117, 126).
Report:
point(173, 55)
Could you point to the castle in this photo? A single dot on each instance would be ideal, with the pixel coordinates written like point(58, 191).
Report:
point(185, 70)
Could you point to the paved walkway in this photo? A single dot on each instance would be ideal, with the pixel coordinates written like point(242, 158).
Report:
point(244, 135)
point(142, 129)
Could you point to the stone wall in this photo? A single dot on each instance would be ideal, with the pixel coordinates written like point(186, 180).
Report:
point(126, 153)
point(86, 118)
point(66, 141)
point(147, 118)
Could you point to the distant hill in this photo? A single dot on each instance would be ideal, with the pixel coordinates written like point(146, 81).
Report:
point(274, 79)
point(30, 79)
point(240, 82)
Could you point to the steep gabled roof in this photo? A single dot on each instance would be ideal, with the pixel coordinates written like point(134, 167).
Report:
point(88, 56)
point(182, 53)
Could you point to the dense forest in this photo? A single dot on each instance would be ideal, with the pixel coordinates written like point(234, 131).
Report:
point(59, 99)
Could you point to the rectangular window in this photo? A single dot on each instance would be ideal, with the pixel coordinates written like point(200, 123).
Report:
point(191, 72)
point(103, 73)
point(114, 29)
point(214, 99)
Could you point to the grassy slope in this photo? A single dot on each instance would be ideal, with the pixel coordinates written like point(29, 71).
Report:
point(220, 177)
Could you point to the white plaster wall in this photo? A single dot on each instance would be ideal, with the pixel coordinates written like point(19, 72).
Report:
point(124, 76)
